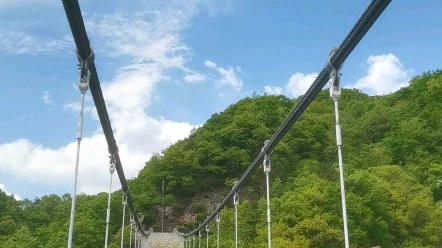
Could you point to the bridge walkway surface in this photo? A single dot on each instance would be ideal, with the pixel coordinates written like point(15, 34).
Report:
point(163, 240)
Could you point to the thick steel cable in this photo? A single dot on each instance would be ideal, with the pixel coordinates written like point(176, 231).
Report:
point(76, 23)
point(365, 22)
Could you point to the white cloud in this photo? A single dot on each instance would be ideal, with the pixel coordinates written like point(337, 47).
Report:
point(75, 107)
point(20, 43)
point(137, 141)
point(228, 75)
point(299, 83)
point(46, 98)
point(192, 78)
point(156, 41)
point(273, 90)
point(3, 188)
point(153, 40)
point(15, 3)
point(210, 64)
point(215, 7)
point(385, 75)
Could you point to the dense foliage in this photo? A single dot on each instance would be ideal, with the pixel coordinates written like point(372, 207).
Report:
point(393, 168)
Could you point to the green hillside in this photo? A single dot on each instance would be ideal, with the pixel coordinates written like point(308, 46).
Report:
point(392, 148)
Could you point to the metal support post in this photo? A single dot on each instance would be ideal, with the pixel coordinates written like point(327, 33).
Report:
point(139, 238)
point(85, 75)
point(217, 219)
point(111, 171)
point(199, 240)
point(335, 93)
point(132, 222)
point(139, 231)
point(267, 168)
point(135, 236)
point(124, 215)
point(207, 233)
point(193, 241)
point(162, 207)
point(235, 203)
point(130, 236)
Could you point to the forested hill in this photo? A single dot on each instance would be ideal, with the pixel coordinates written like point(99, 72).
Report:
point(393, 168)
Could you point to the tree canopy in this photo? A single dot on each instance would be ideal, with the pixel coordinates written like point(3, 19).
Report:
point(392, 153)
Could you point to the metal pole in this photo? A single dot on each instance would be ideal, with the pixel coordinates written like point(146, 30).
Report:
point(341, 175)
point(217, 238)
point(193, 241)
point(269, 236)
point(267, 168)
point(111, 171)
point(207, 234)
point(162, 208)
point(235, 203)
point(84, 76)
point(139, 232)
point(335, 94)
point(138, 239)
point(130, 236)
point(199, 240)
point(74, 196)
point(135, 236)
point(122, 225)
point(217, 219)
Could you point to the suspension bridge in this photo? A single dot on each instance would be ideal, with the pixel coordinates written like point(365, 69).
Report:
point(142, 237)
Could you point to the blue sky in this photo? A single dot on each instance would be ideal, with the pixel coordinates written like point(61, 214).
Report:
point(166, 66)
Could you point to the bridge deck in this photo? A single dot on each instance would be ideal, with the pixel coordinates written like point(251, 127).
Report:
point(166, 240)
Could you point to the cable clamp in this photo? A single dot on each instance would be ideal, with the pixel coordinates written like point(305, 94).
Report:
point(235, 195)
point(207, 226)
point(217, 218)
point(112, 163)
point(85, 72)
point(132, 219)
point(112, 160)
point(124, 198)
point(266, 162)
point(335, 76)
point(112, 152)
